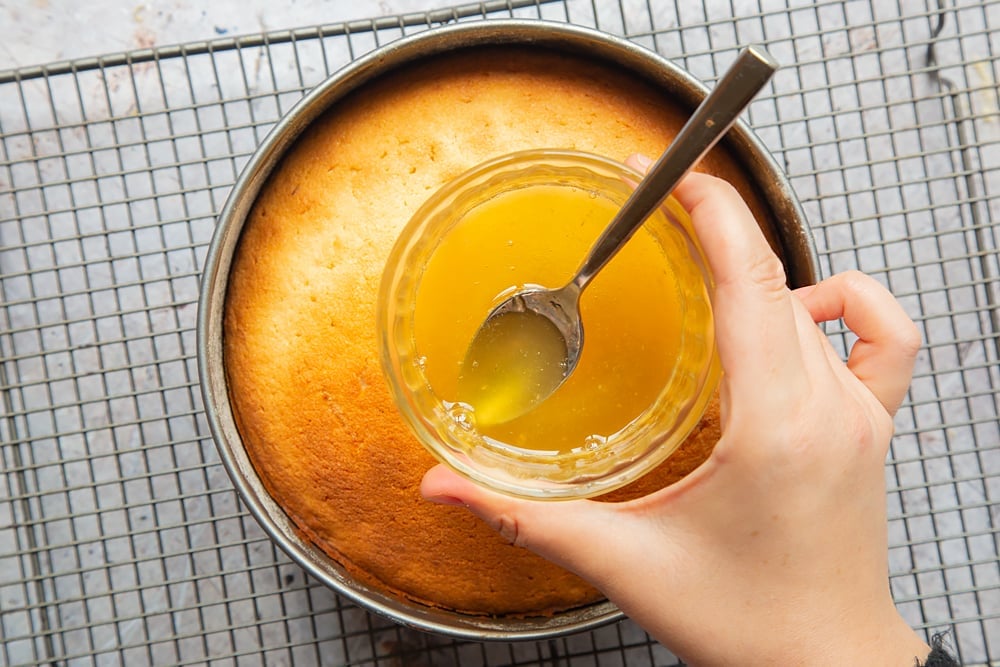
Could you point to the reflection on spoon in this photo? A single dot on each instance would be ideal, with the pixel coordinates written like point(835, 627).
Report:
point(512, 365)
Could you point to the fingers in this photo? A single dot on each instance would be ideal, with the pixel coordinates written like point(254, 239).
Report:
point(561, 531)
point(755, 321)
point(888, 340)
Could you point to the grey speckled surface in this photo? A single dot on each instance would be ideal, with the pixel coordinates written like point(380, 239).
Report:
point(43, 31)
point(121, 538)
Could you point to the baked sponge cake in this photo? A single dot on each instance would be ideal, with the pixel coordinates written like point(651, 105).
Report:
point(300, 344)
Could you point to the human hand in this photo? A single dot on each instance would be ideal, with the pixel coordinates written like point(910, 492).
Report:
point(774, 551)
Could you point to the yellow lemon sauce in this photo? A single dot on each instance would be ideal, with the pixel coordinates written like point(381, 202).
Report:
point(514, 363)
point(631, 311)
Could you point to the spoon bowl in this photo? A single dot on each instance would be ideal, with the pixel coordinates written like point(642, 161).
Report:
point(534, 338)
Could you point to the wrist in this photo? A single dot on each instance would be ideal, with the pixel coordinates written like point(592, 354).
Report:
point(863, 638)
point(890, 642)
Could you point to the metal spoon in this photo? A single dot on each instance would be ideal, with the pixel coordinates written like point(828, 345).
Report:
point(558, 310)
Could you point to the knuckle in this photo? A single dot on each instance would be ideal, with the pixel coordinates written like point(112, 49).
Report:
point(859, 284)
point(883, 428)
point(868, 429)
point(857, 280)
point(767, 272)
point(905, 332)
point(813, 433)
point(859, 428)
point(910, 340)
point(792, 439)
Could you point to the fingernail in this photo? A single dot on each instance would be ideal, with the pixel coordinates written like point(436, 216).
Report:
point(643, 160)
point(507, 527)
point(447, 500)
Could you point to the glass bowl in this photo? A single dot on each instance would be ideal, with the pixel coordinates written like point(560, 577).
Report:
point(649, 364)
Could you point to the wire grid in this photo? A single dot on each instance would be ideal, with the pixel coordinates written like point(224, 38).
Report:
point(122, 540)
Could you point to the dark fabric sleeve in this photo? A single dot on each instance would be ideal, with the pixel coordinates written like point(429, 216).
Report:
point(939, 656)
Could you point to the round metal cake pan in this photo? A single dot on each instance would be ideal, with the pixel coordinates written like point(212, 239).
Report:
point(797, 249)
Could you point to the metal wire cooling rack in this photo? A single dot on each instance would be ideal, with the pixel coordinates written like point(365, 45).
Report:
point(121, 538)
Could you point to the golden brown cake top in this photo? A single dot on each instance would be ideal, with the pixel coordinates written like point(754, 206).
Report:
point(300, 342)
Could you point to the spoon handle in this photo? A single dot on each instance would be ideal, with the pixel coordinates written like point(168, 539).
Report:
point(710, 121)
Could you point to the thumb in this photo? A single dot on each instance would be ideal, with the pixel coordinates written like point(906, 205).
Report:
point(582, 536)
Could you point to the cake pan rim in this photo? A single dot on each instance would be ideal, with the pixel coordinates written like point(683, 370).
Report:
point(280, 528)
